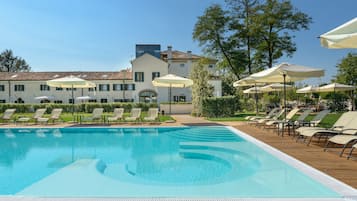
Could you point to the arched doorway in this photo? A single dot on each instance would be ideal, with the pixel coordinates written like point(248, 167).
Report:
point(148, 96)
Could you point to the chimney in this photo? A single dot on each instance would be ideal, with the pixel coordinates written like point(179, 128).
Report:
point(189, 54)
point(169, 52)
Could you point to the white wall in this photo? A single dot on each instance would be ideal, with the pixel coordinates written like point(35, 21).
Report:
point(149, 64)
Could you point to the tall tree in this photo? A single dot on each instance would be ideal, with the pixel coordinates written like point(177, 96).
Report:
point(243, 14)
point(278, 18)
point(200, 88)
point(347, 73)
point(10, 63)
point(211, 32)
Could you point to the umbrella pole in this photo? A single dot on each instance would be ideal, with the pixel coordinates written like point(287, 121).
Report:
point(284, 96)
point(334, 100)
point(170, 100)
point(72, 101)
point(256, 100)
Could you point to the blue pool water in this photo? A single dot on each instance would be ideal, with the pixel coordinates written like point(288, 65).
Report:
point(145, 162)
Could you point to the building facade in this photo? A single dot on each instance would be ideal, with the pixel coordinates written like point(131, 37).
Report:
point(130, 85)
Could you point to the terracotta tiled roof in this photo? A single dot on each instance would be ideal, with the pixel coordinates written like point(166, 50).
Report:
point(53, 75)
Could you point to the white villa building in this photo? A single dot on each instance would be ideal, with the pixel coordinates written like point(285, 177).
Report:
point(130, 85)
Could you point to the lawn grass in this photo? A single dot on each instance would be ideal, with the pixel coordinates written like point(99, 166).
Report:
point(236, 117)
point(327, 122)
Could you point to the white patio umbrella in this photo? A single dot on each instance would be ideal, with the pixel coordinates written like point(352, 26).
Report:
point(44, 98)
point(70, 82)
point(344, 36)
point(285, 72)
point(83, 98)
point(306, 90)
point(170, 81)
point(253, 90)
point(248, 81)
point(275, 87)
point(333, 87)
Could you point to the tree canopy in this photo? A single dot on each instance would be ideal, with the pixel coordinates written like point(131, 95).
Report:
point(347, 73)
point(249, 34)
point(11, 63)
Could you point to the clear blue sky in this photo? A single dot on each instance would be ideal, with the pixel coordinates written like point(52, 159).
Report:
point(100, 35)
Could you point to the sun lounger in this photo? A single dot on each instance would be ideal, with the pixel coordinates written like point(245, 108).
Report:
point(263, 121)
point(314, 122)
point(134, 115)
point(268, 116)
point(292, 124)
point(118, 115)
point(354, 147)
point(55, 115)
point(97, 115)
point(7, 115)
point(289, 116)
point(38, 114)
point(153, 114)
point(344, 123)
point(346, 137)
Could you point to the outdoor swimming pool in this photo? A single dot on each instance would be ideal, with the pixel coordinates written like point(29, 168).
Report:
point(183, 162)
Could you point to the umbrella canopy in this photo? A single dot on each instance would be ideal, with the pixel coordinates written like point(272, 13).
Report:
point(285, 72)
point(308, 89)
point(170, 81)
point(70, 82)
point(275, 87)
point(83, 98)
point(253, 90)
point(248, 81)
point(336, 87)
point(344, 36)
point(291, 72)
point(44, 98)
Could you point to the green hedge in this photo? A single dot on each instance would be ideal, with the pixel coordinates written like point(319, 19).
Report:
point(220, 107)
point(83, 107)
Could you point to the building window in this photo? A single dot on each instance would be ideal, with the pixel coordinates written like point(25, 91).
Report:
point(179, 98)
point(131, 87)
point(104, 87)
point(92, 89)
point(92, 100)
point(70, 89)
point(70, 100)
point(139, 76)
point(44, 87)
point(118, 100)
point(2, 87)
point(103, 100)
point(155, 75)
point(19, 87)
point(58, 101)
point(117, 87)
point(59, 89)
point(210, 66)
point(182, 65)
point(2, 101)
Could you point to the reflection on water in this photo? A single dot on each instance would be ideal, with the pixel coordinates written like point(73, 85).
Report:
point(27, 155)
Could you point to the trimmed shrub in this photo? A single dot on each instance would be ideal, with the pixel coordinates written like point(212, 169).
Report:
point(220, 106)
